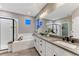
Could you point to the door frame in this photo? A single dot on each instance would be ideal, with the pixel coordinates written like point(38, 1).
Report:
point(12, 26)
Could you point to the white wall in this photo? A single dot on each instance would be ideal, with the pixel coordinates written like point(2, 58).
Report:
point(0, 35)
point(75, 27)
point(75, 23)
point(22, 28)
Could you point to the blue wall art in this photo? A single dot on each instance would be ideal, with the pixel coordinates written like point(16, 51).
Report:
point(27, 21)
point(39, 23)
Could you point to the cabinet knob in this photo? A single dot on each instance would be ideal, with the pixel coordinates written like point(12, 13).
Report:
point(54, 55)
point(40, 40)
point(41, 44)
point(35, 40)
point(40, 51)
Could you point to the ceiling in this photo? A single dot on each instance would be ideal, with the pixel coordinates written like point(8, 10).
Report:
point(31, 9)
point(63, 11)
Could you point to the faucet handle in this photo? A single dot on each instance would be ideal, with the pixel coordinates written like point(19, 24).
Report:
point(67, 39)
point(72, 41)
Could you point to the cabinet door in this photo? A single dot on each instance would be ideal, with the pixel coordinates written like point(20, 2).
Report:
point(57, 51)
point(36, 43)
point(62, 52)
point(35, 40)
point(50, 50)
point(42, 47)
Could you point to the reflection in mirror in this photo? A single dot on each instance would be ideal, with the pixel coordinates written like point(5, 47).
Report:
point(55, 28)
point(65, 30)
point(60, 27)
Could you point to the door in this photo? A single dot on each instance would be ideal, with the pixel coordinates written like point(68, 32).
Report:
point(65, 29)
point(6, 33)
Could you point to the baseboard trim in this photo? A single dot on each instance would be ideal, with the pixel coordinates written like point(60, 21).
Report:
point(3, 49)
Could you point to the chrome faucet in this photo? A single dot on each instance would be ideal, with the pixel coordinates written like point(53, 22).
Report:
point(68, 39)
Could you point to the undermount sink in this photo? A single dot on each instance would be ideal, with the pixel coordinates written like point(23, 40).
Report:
point(66, 44)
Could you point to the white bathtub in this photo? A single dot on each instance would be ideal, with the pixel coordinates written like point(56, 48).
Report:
point(26, 43)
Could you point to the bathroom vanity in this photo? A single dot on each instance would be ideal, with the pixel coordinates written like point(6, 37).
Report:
point(54, 46)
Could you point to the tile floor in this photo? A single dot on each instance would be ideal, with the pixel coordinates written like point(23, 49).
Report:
point(27, 52)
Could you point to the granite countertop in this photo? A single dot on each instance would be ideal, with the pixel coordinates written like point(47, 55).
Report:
point(53, 40)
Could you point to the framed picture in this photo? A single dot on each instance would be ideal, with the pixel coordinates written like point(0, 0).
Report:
point(27, 21)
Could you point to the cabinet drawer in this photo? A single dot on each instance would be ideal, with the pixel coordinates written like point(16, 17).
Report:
point(49, 45)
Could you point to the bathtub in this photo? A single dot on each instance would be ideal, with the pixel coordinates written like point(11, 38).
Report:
point(26, 43)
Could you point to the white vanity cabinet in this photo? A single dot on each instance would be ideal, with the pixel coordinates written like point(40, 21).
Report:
point(50, 50)
point(57, 51)
point(36, 43)
point(45, 48)
point(62, 52)
point(40, 46)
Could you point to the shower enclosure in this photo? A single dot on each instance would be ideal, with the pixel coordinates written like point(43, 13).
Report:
point(6, 32)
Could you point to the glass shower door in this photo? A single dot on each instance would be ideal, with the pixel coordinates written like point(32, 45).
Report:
point(65, 29)
point(6, 33)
